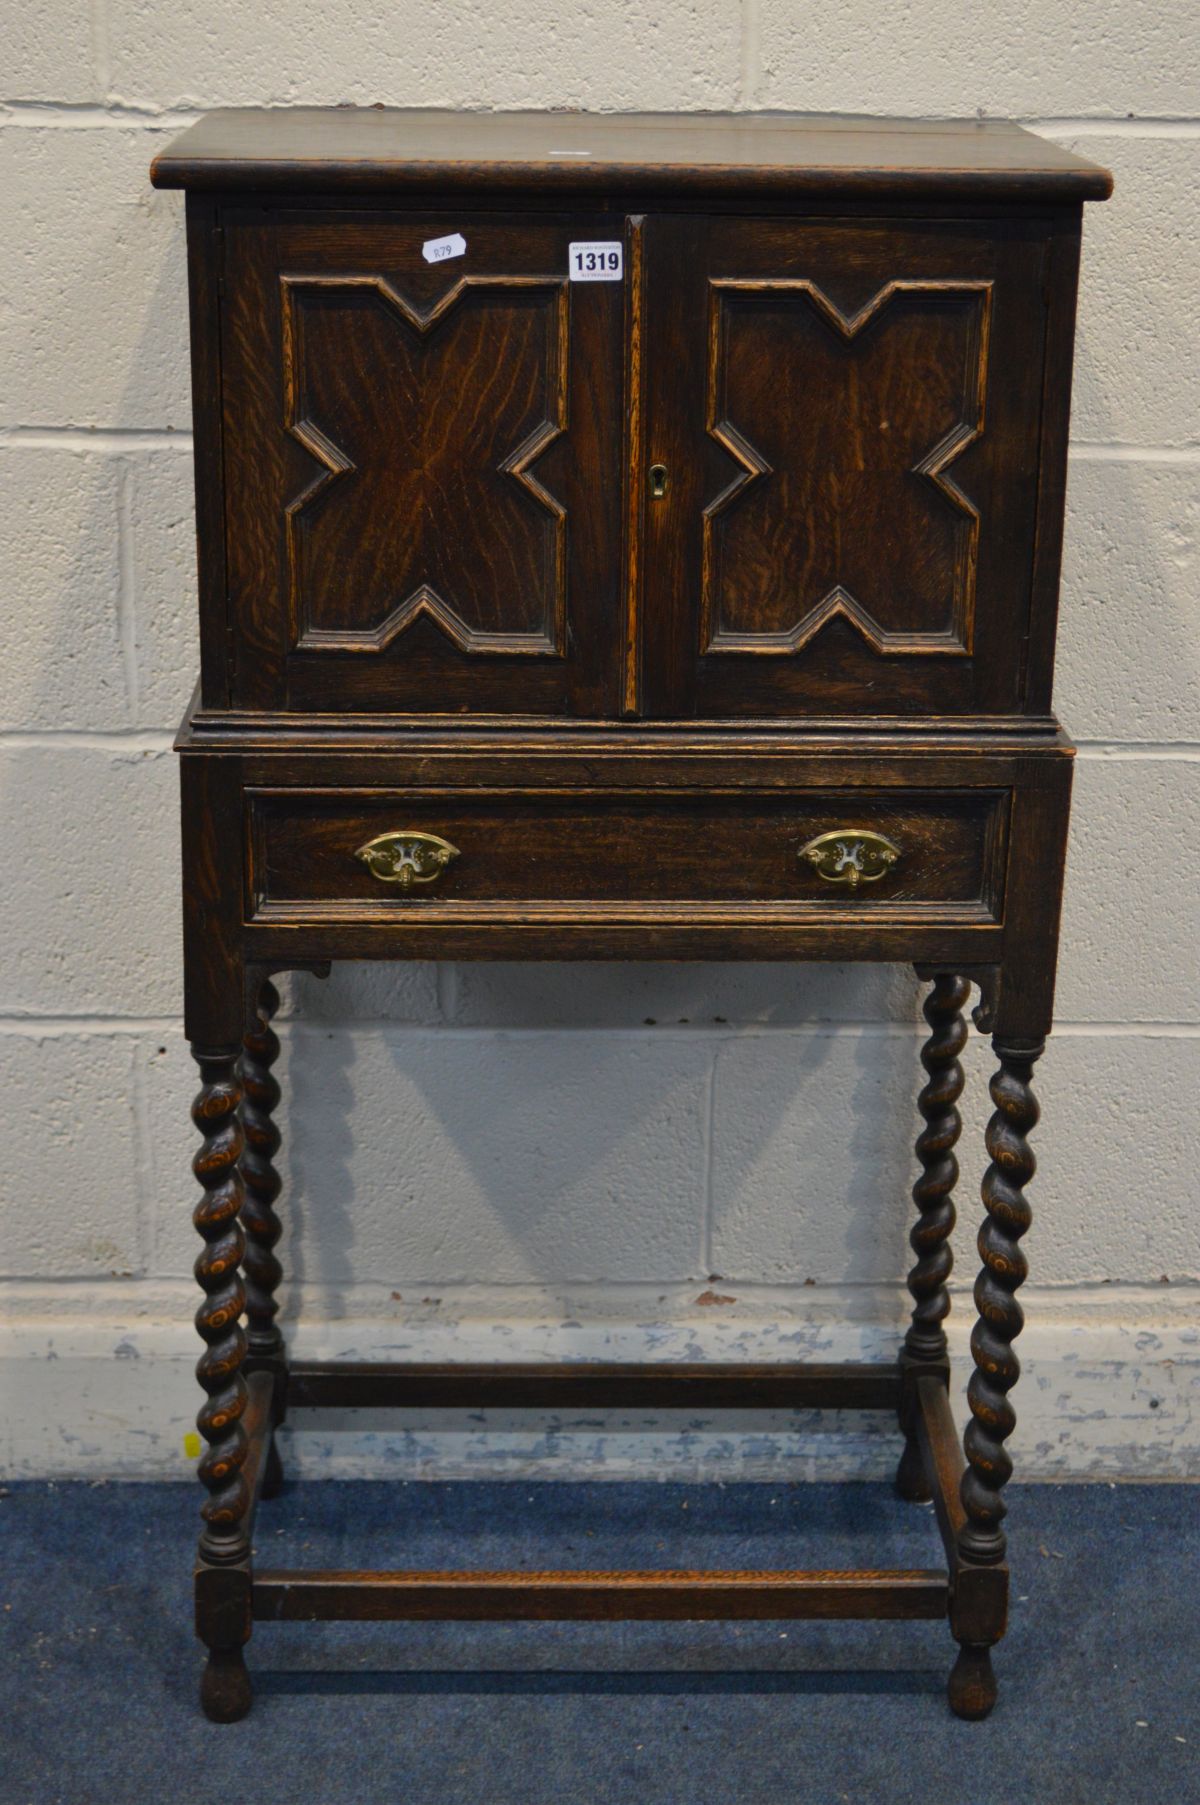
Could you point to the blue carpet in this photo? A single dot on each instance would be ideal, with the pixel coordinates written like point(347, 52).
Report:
point(1099, 1675)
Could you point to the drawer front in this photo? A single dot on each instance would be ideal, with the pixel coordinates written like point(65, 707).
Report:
point(846, 417)
point(501, 855)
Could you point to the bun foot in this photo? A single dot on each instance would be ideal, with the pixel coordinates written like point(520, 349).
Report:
point(911, 1483)
point(225, 1692)
point(972, 1688)
point(272, 1479)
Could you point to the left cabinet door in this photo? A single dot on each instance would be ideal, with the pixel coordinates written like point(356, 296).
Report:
point(422, 453)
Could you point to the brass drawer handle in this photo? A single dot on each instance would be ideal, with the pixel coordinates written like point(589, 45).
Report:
point(850, 855)
point(407, 857)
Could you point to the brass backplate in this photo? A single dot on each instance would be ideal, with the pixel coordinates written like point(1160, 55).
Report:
point(850, 855)
point(407, 857)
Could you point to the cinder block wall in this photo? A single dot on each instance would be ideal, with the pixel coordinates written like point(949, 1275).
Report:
point(507, 1160)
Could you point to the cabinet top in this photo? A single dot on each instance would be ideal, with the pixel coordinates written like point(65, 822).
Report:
point(369, 148)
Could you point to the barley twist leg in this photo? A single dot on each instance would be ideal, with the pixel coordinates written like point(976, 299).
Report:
point(261, 1185)
point(933, 1194)
point(981, 1540)
point(225, 1690)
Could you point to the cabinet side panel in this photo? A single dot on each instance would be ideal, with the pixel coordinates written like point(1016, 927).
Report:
point(210, 805)
point(204, 250)
point(1036, 868)
point(1062, 283)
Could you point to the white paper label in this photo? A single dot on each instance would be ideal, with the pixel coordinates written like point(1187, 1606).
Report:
point(436, 250)
point(599, 262)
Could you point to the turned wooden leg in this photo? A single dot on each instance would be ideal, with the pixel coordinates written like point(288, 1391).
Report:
point(933, 1194)
point(1000, 1316)
point(972, 1686)
point(261, 1185)
point(981, 1540)
point(222, 1580)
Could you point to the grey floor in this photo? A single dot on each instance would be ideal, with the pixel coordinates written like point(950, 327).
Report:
point(1099, 1675)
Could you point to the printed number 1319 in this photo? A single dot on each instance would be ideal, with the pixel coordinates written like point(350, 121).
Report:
point(600, 262)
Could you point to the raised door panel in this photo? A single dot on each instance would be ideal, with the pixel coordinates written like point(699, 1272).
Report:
point(847, 414)
point(422, 465)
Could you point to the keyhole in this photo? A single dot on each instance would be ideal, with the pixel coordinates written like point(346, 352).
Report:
point(658, 481)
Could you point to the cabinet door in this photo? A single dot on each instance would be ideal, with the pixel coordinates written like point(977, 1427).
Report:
point(844, 416)
point(422, 462)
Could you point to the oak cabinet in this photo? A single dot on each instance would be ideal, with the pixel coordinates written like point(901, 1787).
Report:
point(624, 538)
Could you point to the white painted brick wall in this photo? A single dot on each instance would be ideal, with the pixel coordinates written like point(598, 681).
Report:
point(1137, 376)
point(64, 663)
point(89, 908)
point(956, 56)
point(507, 1160)
point(524, 53)
point(1130, 581)
point(93, 310)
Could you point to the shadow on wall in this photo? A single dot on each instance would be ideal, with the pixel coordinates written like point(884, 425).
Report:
point(420, 1157)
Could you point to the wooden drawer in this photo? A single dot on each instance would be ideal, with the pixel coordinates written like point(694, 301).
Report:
point(517, 853)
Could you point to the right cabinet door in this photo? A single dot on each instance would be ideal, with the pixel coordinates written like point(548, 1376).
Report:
point(842, 424)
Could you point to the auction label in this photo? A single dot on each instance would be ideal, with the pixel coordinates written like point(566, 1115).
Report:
point(599, 262)
point(436, 250)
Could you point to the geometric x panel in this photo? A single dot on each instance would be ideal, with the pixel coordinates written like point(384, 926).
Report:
point(426, 424)
point(844, 428)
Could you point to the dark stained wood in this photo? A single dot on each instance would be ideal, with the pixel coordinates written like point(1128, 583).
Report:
point(205, 248)
point(933, 1192)
point(635, 458)
point(211, 808)
point(1037, 868)
point(309, 149)
point(941, 1452)
point(761, 756)
point(424, 464)
point(1062, 285)
point(281, 1596)
point(222, 1574)
point(258, 1424)
point(439, 593)
point(224, 1622)
point(989, 1466)
point(541, 846)
point(537, 740)
point(669, 931)
point(972, 1688)
point(707, 1385)
point(216, 1165)
point(437, 504)
point(850, 414)
point(978, 1593)
point(925, 1348)
point(261, 1181)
